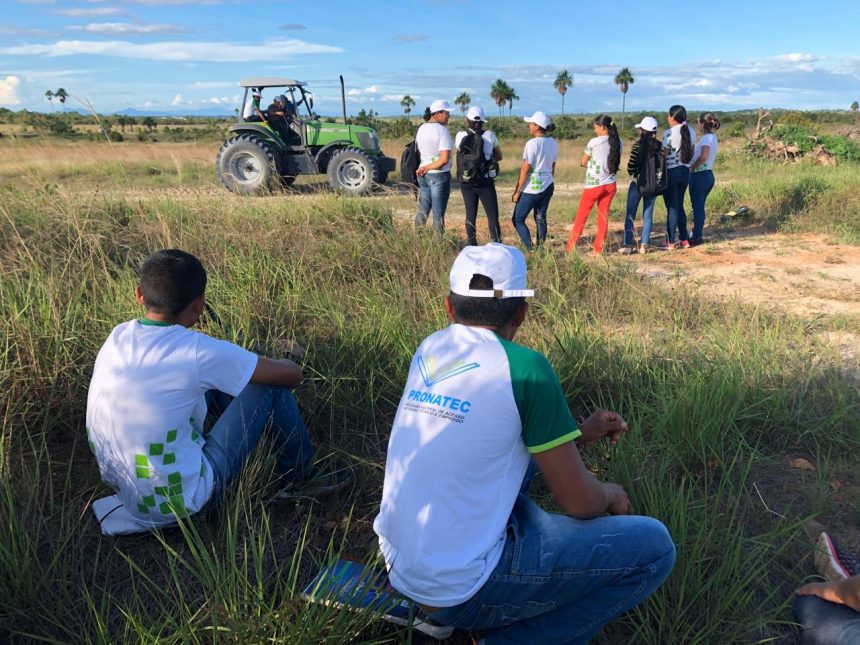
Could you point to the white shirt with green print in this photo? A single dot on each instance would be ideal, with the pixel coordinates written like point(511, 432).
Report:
point(432, 138)
point(474, 407)
point(709, 140)
point(672, 145)
point(540, 153)
point(597, 171)
point(145, 412)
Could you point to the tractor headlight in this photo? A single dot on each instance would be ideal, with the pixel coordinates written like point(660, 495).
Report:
point(369, 140)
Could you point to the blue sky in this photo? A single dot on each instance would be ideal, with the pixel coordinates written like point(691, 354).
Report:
point(189, 54)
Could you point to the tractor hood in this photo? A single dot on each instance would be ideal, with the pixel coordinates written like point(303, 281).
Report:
point(322, 134)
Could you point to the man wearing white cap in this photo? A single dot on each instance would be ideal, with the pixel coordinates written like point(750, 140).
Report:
point(481, 184)
point(434, 170)
point(458, 532)
point(252, 111)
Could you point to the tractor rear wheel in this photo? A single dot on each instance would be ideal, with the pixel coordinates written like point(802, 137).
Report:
point(352, 171)
point(247, 165)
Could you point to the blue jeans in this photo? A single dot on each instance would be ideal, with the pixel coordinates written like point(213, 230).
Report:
point(633, 199)
point(539, 202)
point(240, 424)
point(434, 188)
point(826, 623)
point(679, 178)
point(560, 580)
point(701, 184)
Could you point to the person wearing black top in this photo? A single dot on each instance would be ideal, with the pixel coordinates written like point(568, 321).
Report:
point(647, 142)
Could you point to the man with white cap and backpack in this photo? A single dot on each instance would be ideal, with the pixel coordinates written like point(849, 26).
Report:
point(458, 532)
point(434, 171)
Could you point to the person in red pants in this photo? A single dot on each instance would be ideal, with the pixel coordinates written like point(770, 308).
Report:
point(601, 160)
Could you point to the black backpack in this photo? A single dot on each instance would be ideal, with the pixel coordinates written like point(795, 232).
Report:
point(653, 177)
point(409, 162)
point(472, 164)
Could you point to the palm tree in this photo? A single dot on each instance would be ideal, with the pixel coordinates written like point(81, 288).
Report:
point(408, 103)
point(855, 106)
point(499, 93)
point(463, 101)
point(62, 95)
point(50, 96)
point(563, 81)
point(511, 97)
point(624, 79)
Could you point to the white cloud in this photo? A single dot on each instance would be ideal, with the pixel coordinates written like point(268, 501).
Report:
point(128, 28)
point(9, 90)
point(398, 97)
point(177, 100)
point(90, 13)
point(373, 89)
point(219, 52)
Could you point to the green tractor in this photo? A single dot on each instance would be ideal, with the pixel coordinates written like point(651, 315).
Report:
point(264, 152)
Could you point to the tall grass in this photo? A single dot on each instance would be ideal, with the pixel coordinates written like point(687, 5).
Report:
point(711, 391)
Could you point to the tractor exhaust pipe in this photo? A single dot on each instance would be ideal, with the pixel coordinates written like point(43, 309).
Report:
point(343, 99)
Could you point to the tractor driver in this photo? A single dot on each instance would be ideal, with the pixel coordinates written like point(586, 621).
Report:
point(279, 117)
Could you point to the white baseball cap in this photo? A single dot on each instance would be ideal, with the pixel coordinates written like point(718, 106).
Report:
point(256, 92)
point(538, 118)
point(475, 113)
point(440, 105)
point(649, 123)
point(504, 265)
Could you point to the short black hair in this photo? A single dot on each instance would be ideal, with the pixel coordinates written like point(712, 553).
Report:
point(493, 312)
point(170, 279)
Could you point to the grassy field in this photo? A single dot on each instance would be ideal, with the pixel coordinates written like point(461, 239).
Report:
point(720, 395)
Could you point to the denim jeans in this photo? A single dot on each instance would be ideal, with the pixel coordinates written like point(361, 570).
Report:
point(826, 623)
point(701, 184)
point(434, 188)
point(633, 199)
point(679, 178)
point(539, 202)
point(560, 580)
point(240, 424)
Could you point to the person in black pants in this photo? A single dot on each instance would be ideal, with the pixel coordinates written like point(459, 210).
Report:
point(485, 189)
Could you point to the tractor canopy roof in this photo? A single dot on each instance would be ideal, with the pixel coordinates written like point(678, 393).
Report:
point(269, 81)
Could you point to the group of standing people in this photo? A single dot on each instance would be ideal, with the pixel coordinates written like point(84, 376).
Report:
point(687, 161)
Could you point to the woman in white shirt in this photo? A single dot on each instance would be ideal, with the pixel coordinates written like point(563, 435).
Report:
point(601, 160)
point(483, 188)
point(535, 184)
point(702, 172)
point(678, 143)
point(434, 172)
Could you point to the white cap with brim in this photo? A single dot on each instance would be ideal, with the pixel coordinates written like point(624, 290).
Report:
point(538, 118)
point(649, 123)
point(504, 265)
point(440, 105)
point(475, 113)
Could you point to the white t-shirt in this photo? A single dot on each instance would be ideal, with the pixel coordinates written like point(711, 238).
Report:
point(709, 140)
point(597, 171)
point(250, 109)
point(145, 414)
point(541, 153)
point(432, 138)
point(490, 141)
point(474, 407)
point(672, 143)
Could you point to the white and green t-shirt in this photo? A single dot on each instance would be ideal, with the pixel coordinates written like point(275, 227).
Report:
point(709, 140)
point(672, 145)
point(433, 138)
point(597, 171)
point(474, 407)
point(145, 411)
point(540, 153)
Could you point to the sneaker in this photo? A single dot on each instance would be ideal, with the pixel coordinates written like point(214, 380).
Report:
point(643, 249)
point(832, 561)
point(665, 246)
point(626, 250)
point(684, 244)
point(328, 475)
point(696, 241)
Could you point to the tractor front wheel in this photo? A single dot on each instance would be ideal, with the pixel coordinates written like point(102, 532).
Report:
point(352, 171)
point(247, 165)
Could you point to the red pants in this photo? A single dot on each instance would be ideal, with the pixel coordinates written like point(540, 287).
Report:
point(602, 196)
